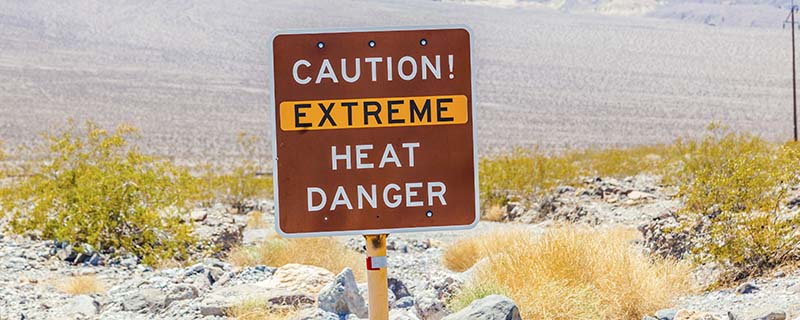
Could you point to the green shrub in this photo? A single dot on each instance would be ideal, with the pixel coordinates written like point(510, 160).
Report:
point(526, 173)
point(242, 180)
point(733, 186)
point(97, 189)
point(472, 292)
point(520, 174)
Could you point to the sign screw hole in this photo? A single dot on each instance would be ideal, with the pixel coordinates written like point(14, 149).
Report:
point(429, 214)
point(372, 43)
point(423, 42)
point(320, 44)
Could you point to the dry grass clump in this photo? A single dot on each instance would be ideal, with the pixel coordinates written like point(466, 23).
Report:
point(495, 213)
point(256, 220)
point(81, 285)
point(327, 253)
point(254, 309)
point(569, 273)
point(464, 253)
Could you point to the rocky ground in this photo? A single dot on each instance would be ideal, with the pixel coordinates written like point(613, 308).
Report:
point(33, 271)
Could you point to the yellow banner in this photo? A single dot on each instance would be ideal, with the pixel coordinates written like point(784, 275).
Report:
point(373, 113)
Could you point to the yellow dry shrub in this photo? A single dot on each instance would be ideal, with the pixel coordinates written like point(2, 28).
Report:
point(465, 252)
point(572, 273)
point(256, 220)
point(495, 213)
point(81, 285)
point(255, 309)
point(326, 253)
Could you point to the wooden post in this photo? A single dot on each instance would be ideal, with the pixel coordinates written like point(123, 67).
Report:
point(377, 280)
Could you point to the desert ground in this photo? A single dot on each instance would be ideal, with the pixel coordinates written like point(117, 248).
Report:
point(192, 75)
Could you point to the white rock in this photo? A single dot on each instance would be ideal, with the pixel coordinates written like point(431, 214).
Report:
point(77, 307)
point(218, 301)
point(301, 278)
point(638, 195)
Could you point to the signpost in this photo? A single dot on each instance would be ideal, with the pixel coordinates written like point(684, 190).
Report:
point(374, 134)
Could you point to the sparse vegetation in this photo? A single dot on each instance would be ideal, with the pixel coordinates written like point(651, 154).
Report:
point(255, 309)
point(327, 253)
point(78, 285)
point(733, 186)
point(243, 180)
point(570, 273)
point(526, 173)
point(97, 189)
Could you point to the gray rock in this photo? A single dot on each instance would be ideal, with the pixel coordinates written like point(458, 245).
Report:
point(665, 314)
point(493, 307)
point(181, 292)
point(773, 316)
point(143, 299)
point(404, 303)
point(315, 314)
point(342, 297)
point(194, 269)
point(747, 287)
point(214, 274)
point(398, 288)
point(648, 318)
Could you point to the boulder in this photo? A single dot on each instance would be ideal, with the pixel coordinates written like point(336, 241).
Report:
point(493, 307)
point(78, 307)
point(665, 314)
point(773, 316)
point(341, 296)
point(315, 314)
point(148, 298)
point(218, 301)
point(694, 315)
point(301, 278)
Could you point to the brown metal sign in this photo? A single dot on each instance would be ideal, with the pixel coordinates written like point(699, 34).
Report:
point(374, 131)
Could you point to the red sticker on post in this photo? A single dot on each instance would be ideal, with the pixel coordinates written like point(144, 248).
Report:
point(376, 263)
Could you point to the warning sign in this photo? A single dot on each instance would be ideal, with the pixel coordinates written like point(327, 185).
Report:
point(374, 131)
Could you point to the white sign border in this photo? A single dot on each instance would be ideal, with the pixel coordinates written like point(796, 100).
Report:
point(272, 102)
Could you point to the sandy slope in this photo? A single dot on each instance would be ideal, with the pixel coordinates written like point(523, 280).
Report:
point(192, 74)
